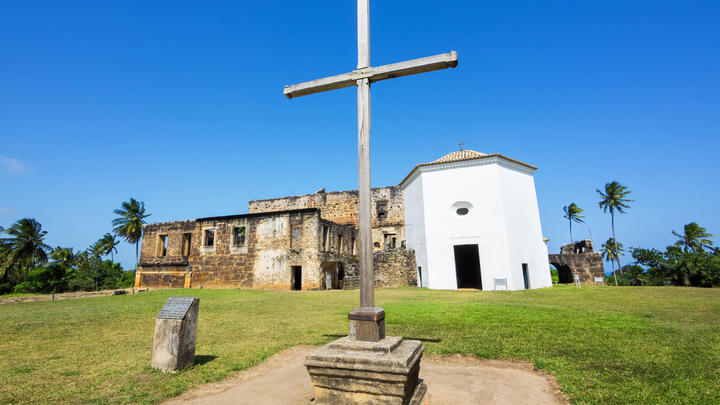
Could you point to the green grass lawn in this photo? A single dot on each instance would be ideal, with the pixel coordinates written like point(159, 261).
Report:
point(604, 344)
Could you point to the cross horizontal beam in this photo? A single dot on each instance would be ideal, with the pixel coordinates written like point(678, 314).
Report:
point(375, 74)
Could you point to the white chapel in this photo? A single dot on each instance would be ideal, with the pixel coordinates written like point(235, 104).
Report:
point(473, 221)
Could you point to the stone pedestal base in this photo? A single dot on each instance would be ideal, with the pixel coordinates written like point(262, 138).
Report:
point(355, 372)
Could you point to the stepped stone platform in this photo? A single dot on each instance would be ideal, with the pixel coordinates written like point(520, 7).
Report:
point(357, 372)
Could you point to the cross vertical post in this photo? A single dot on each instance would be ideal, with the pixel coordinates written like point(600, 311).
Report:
point(367, 293)
point(367, 322)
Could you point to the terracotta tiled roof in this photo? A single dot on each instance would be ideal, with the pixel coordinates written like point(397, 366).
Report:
point(462, 155)
point(458, 156)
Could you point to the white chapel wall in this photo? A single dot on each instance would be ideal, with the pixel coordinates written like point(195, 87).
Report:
point(415, 226)
point(523, 226)
point(484, 225)
point(503, 221)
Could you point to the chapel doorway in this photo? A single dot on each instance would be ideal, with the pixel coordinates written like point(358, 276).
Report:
point(467, 266)
point(296, 278)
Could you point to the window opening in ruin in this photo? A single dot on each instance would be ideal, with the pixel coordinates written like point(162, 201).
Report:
point(340, 243)
point(381, 208)
point(526, 276)
point(296, 278)
point(325, 237)
point(238, 236)
point(186, 244)
point(390, 241)
point(352, 245)
point(162, 245)
point(209, 237)
point(467, 266)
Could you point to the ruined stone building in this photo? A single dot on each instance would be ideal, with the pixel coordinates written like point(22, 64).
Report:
point(468, 216)
point(578, 258)
point(300, 242)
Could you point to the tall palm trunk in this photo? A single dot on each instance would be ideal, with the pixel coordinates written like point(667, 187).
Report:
point(612, 266)
point(137, 260)
point(617, 255)
point(571, 237)
point(29, 266)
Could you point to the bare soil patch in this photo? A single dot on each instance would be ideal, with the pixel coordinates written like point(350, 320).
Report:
point(454, 380)
point(68, 296)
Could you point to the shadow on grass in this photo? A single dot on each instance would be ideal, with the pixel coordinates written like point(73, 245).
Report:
point(425, 340)
point(204, 358)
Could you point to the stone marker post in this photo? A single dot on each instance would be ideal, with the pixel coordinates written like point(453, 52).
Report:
point(175, 331)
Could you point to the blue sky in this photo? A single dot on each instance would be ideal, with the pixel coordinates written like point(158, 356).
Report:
point(180, 105)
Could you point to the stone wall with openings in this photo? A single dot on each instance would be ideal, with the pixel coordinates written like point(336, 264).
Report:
point(578, 258)
point(388, 222)
point(259, 251)
point(162, 260)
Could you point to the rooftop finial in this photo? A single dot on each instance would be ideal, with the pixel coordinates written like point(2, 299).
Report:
point(460, 144)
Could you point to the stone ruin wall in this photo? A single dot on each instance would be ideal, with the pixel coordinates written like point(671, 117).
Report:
point(314, 231)
point(273, 243)
point(342, 207)
point(392, 268)
point(578, 258)
point(171, 270)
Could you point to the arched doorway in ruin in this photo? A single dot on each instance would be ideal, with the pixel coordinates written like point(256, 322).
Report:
point(564, 272)
point(333, 274)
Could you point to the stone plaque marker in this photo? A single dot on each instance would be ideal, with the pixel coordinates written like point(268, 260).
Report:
point(175, 331)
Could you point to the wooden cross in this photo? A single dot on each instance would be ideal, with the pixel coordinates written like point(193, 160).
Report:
point(362, 77)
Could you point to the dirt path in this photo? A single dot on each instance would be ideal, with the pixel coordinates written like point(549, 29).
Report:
point(68, 296)
point(282, 379)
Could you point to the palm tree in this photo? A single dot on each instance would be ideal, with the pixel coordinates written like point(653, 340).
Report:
point(614, 199)
point(64, 256)
point(5, 262)
point(96, 249)
point(572, 214)
point(109, 241)
point(130, 222)
point(695, 238)
point(610, 251)
point(26, 244)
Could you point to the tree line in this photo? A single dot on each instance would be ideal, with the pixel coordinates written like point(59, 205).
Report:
point(29, 265)
point(691, 261)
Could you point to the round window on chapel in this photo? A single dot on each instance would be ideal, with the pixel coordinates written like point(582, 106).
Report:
point(462, 211)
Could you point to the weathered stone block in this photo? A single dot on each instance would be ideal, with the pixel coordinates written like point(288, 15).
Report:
point(367, 324)
point(348, 371)
point(175, 332)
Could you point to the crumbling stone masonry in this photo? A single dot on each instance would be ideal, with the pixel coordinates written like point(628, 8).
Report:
point(288, 249)
point(393, 268)
point(578, 258)
point(388, 217)
point(261, 251)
